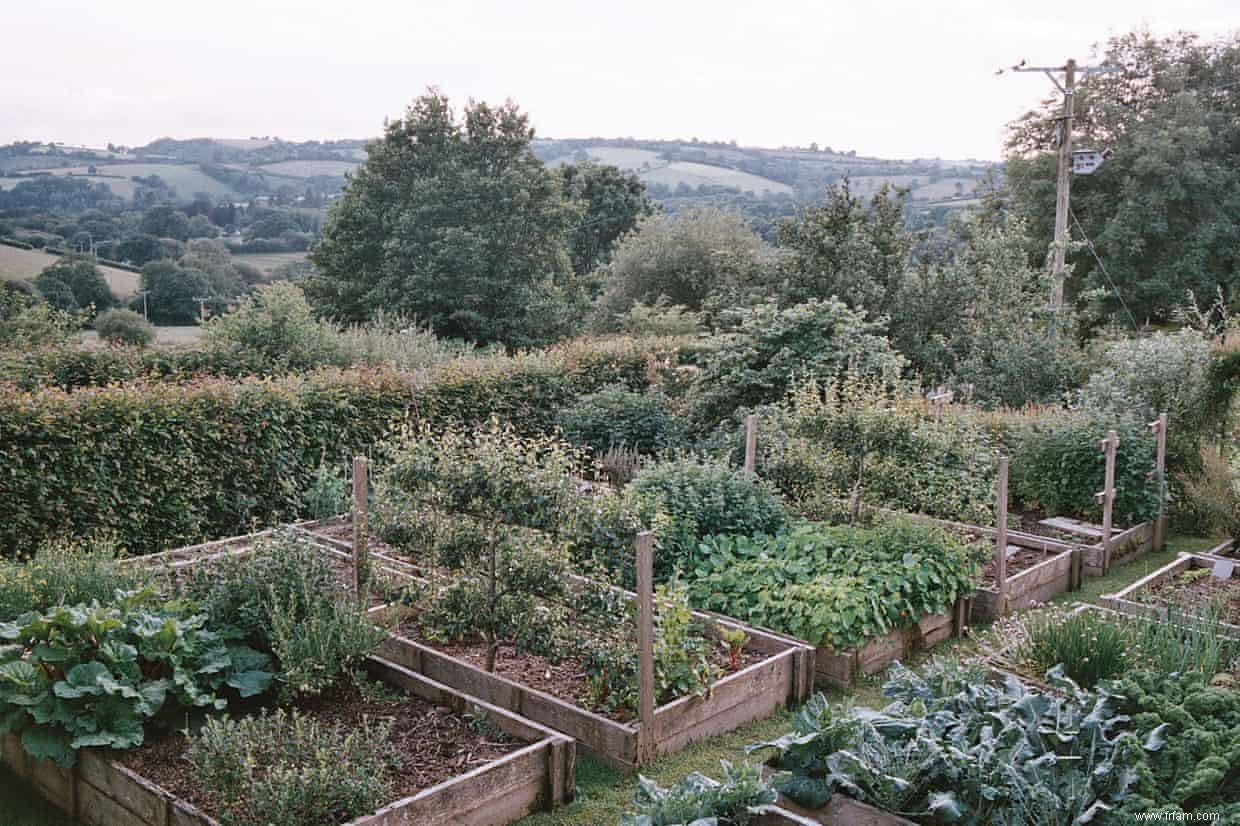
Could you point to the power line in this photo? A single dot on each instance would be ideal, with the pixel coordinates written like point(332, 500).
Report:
point(1094, 252)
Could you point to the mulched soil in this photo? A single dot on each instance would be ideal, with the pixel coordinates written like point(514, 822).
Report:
point(1022, 560)
point(431, 743)
point(565, 680)
point(1189, 593)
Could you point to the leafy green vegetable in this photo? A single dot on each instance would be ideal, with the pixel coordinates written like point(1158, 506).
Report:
point(698, 800)
point(91, 676)
point(835, 586)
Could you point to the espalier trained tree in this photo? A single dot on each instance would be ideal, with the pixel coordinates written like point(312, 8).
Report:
point(454, 222)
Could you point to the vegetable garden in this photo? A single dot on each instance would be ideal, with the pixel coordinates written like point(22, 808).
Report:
point(557, 556)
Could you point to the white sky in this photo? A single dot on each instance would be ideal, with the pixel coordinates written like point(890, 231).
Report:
point(896, 78)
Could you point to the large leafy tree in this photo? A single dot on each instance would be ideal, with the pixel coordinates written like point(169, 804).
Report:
point(1163, 211)
point(455, 222)
point(848, 249)
point(72, 283)
point(614, 202)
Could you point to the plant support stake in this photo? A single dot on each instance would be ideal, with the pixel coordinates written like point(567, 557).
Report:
point(1106, 497)
point(751, 443)
point(1159, 429)
point(361, 556)
point(645, 646)
point(1001, 515)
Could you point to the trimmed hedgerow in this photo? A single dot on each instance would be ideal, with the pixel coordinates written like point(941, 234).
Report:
point(165, 464)
point(160, 464)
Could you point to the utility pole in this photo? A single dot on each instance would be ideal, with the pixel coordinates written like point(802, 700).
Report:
point(1064, 180)
point(144, 294)
point(202, 308)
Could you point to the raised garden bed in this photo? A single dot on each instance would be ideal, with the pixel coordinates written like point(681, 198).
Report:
point(842, 669)
point(1189, 580)
point(537, 772)
point(841, 810)
point(1033, 575)
point(777, 670)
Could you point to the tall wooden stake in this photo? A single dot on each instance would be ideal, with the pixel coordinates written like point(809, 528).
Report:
point(645, 646)
point(361, 556)
point(751, 443)
point(1001, 515)
point(1106, 498)
point(1159, 429)
point(1063, 184)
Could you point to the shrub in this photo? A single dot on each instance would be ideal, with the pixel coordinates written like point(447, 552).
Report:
point(866, 436)
point(63, 572)
point(1057, 467)
point(27, 322)
point(773, 348)
point(837, 586)
point(619, 417)
point(659, 319)
point(690, 498)
point(1209, 501)
point(289, 770)
point(278, 327)
point(320, 643)
point(124, 327)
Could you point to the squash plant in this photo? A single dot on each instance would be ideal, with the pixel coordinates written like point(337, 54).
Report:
point(92, 675)
point(833, 586)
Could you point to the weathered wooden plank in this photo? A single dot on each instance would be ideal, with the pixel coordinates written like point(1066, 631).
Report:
point(770, 677)
point(97, 809)
point(842, 810)
point(1073, 526)
point(138, 795)
point(756, 707)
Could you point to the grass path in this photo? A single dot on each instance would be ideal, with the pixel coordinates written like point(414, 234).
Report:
point(603, 794)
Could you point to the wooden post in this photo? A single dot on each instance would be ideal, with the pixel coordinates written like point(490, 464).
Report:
point(645, 646)
point(940, 398)
point(1159, 429)
point(361, 505)
point(751, 442)
point(1106, 498)
point(1001, 514)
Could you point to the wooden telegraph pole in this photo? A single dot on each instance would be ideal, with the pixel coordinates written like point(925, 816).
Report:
point(645, 646)
point(1063, 184)
point(1106, 498)
point(361, 555)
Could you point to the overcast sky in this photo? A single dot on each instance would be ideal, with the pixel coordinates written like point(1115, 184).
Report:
point(894, 78)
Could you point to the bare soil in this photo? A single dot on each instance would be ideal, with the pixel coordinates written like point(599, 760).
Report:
point(566, 680)
point(1188, 592)
point(430, 743)
point(1022, 560)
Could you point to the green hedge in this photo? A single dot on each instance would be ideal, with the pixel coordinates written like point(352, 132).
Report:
point(167, 463)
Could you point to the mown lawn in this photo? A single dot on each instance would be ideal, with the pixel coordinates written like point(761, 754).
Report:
point(603, 794)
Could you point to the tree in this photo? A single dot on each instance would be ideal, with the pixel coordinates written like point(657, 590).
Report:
point(213, 258)
point(700, 258)
point(1163, 211)
point(845, 249)
point(456, 223)
point(165, 221)
point(174, 291)
point(83, 280)
point(614, 202)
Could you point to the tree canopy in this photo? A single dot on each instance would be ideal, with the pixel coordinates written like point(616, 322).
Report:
point(454, 221)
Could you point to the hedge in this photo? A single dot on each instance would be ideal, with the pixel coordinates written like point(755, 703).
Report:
point(167, 463)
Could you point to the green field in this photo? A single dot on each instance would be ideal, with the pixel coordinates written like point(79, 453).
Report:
point(164, 336)
point(696, 174)
point(268, 262)
point(18, 265)
point(187, 179)
point(308, 169)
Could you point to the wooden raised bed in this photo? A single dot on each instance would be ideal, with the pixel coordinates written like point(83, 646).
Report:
point(100, 791)
point(842, 669)
point(784, 676)
point(1136, 601)
point(842, 810)
point(1056, 573)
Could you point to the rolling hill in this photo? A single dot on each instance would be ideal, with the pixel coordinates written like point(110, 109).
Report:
point(19, 265)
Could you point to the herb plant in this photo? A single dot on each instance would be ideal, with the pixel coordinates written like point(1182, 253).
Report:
point(284, 769)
